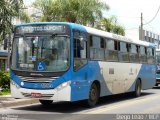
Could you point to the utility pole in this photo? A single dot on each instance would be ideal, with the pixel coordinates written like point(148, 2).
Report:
point(141, 28)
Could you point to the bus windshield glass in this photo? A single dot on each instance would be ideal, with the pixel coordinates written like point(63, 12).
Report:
point(41, 53)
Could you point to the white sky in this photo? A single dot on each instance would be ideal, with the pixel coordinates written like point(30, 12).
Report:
point(128, 13)
point(28, 2)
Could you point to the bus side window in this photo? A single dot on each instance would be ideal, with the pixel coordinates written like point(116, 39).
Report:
point(111, 51)
point(133, 53)
point(150, 55)
point(102, 44)
point(153, 52)
point(90, 41)
point(123, 53)
point(80, 50)
point(102, 49)
point(128, 47)
point(154, 56)
point(143, 54)
point(97, 48)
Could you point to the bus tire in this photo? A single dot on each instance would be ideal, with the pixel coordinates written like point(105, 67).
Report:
point(156, 84)
point(93, 95)
point(138, 87)
point(46, 102)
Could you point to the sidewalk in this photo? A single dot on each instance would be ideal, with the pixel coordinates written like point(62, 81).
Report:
point(8, 101)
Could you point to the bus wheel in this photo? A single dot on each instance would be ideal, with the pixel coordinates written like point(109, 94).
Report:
point(46, 102)
point(138, 86)
point(156, 84)
point(93, 95)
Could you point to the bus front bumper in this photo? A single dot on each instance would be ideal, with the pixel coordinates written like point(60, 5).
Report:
point(56, 94)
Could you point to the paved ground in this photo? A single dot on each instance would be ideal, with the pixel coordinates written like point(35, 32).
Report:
point(8, 101)
point(118, 107)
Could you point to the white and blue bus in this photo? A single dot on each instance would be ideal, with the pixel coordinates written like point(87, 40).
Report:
point(59, 61)
point(158, 67)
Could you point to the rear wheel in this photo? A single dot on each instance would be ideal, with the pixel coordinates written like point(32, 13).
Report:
point(46, 102)
point(156, 84)
point(93, 95)
point(138, 87)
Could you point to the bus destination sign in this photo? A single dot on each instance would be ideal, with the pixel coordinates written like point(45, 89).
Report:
point(40, 29)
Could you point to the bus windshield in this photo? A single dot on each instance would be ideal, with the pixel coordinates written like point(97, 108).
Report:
point(41, 53)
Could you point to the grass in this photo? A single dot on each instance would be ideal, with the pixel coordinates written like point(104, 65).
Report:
point(5, 92)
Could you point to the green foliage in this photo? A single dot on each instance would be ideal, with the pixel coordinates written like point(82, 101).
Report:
point(23, 16)
point(5, 92)
point(4, 80)
point(111, 25)
point(85, 12)
point(76, 11)
point(8, 10)
point(118, 29)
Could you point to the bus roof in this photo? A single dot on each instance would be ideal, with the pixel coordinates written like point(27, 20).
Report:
point(96, 32)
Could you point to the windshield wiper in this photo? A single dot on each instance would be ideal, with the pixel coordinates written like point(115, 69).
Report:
point(55, 34)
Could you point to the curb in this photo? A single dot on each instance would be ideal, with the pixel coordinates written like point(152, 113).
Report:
point(17, 102)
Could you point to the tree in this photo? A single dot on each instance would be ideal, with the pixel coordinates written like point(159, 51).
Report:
point(76, 11)
point(111, 25)
point(23, 16)
point(9, 9)
point(118, 29)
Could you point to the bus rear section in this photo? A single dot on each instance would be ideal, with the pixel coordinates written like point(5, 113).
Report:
point(158, 67)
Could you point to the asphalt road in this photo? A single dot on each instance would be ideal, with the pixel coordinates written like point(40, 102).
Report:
point(117, 107)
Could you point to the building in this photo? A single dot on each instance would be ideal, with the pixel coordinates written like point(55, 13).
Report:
point(3, 58)
point(150, 36)
point(146, 35)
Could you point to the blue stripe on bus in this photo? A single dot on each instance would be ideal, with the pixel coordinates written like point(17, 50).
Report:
point(84, 77)
point(146, 77)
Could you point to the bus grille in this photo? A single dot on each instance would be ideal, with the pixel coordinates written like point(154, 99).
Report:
point(38, 80)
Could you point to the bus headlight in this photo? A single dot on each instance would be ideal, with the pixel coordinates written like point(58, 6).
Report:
point(63, 85)
point(15, 84)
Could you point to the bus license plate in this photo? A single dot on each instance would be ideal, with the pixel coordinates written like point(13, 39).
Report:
point(36, 94)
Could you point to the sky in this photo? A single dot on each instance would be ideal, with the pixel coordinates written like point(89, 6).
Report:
point(128, 13)
point(28, 2)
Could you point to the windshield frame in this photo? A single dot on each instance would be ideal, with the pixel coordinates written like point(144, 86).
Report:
point(44, 73)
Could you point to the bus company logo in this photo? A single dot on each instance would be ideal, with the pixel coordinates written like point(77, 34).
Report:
point(36, 74)
point(46, 85)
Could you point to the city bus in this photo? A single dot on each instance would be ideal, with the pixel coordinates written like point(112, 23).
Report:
point(158, 67)
point(61, 61)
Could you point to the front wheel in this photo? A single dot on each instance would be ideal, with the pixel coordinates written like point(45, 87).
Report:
point(93, 95)
point(46, 102)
